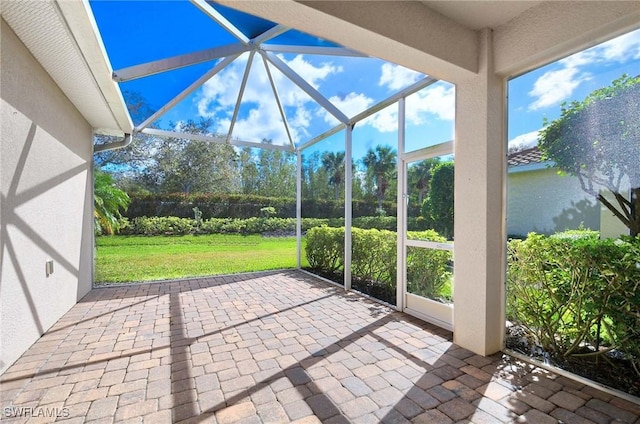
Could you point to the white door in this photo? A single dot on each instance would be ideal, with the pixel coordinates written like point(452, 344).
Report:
point(426, 282)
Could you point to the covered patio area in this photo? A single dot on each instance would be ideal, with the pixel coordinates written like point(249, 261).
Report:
point(275, 347)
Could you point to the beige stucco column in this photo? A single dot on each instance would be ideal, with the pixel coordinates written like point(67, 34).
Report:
point(479, 207)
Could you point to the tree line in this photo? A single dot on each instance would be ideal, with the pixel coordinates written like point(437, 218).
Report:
point(177, 165)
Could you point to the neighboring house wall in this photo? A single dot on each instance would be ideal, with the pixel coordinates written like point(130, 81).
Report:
point(540, 200)
point(46, 207)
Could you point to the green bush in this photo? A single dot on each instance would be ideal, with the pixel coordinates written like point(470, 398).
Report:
point(155, 225)
point(168, 225)
point(373, 256)
point(575, 294)
point(325, 249)
point(373, 259)
point(429, 271)
point(220, 205)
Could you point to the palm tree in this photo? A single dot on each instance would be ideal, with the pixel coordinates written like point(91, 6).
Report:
point(333, 163)
point(420, 177)
point(108, 200)
point(380, 164)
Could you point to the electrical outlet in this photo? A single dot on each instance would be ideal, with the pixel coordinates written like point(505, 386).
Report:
point(49, 267)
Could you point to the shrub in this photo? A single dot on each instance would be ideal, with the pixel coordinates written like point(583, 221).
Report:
point(373, 259)
point(438, 207)
point(220, 205)
point(574, 295)
point(325, 249)
point(155, 225)
point(373, 256)
point(429, 271)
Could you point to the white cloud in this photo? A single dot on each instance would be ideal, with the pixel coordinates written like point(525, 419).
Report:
point(525, 141)
point(437, 101)
point(351, 105)
point(384, 121)
point(310, 73)
point(261, 116)
point(397, 77)
point(555, 86)
point(623, 48)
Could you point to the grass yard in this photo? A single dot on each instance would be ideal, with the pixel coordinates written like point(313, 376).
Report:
point(147, 258)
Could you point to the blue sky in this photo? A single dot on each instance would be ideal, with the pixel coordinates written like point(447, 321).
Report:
point(132, 36)
point(540, 93)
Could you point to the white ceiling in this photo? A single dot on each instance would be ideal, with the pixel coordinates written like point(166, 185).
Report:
point(480, 14)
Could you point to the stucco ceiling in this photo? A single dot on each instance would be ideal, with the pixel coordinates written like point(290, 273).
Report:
point(477, 15)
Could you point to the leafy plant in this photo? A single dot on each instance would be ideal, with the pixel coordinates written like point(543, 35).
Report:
point(373, 259)
point(325, 249)
point(108, 201)
point(429, 272)
point(438, 206)
point(598, 141)
point(380, 164)
point(576, 296)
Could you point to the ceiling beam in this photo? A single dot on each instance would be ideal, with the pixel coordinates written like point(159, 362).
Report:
point(269, 34)
point(277, 97)
point(307, 88)
point(213, 139)
point(184, 93)
point(171, 63)
point(224, 22)
point(319, 50)
point(554, 30)
point(404, 32)
point(243, 85)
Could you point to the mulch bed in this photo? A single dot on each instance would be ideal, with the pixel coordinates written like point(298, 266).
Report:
point(610, 369)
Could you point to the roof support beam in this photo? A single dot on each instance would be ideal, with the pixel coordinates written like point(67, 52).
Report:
point(194, 86)
point(213, 139)
point(415, 87)
point(307, 88)
point(247, 70)
point(171, 63)
point(269, 34)
point(319, 50)
point(422, 42)
point(322, 136)
point(224, 22)
point(275, 94)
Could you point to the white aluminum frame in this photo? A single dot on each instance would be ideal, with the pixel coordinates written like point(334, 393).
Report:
point(306, 87)
point(194, 86)
point(401, 215)
point(213, 139)
point(277, 97)
point(176, 62)
point(427, 309)
point(243, 85)
point(348, 204)
point(221, 20)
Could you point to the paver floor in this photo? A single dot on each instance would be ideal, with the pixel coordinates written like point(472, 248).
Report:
point(274, 347)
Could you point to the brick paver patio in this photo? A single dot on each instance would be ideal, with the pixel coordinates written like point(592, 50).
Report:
point(272, 348)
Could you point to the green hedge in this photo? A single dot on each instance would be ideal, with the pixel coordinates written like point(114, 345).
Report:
point(171, 225)
point(243, 206)
point(373, 261)
point(576, 295)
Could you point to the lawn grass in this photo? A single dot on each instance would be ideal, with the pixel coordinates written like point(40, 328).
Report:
point(148, 258)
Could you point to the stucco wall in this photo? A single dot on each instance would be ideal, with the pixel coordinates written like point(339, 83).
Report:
point(45, 177)
point(545, 202)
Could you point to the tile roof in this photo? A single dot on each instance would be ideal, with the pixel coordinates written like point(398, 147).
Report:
point(525, 157)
